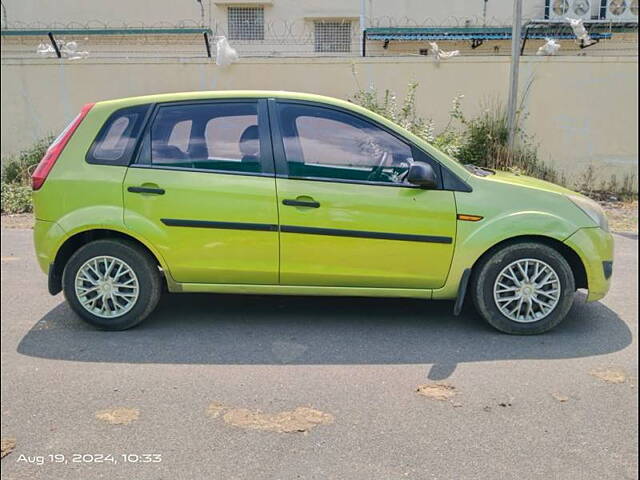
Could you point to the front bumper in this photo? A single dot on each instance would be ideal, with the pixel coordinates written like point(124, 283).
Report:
point(594, 246)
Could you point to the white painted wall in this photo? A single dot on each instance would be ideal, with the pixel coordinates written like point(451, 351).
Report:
point(582, 110)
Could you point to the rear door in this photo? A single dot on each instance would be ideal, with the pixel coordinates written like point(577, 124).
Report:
point(203, 192)
point(347, 217)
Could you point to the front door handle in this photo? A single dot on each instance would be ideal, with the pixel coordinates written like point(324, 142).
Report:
point(301, 203)
point(155, 191)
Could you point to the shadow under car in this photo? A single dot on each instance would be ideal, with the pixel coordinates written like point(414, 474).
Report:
point(274, 330)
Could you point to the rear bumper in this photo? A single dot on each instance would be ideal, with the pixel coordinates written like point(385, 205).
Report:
point(595, 248)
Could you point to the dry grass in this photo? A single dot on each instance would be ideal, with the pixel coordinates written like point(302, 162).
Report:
point(8, 444)
point(437, 391)
point(118, 416)
point(299, 420)
point(623, 216)
point(610, 374)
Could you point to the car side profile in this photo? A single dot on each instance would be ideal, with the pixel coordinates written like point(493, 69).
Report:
point(259, 192)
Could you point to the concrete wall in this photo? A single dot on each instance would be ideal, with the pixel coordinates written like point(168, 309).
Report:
point(582, 110)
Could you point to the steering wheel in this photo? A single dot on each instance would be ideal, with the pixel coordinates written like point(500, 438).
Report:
point(376, 170)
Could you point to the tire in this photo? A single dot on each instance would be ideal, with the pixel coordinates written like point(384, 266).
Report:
point(124, 307)
point(488, 295)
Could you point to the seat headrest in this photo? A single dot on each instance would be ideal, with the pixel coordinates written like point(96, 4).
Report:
point(250, 141)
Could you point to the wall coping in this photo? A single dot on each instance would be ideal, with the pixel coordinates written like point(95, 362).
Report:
point(318, 60)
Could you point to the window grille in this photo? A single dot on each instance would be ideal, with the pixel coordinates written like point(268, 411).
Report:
point(333, 37)
point(245, 23)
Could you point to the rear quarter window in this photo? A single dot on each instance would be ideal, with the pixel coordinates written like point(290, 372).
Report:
point(117, 139)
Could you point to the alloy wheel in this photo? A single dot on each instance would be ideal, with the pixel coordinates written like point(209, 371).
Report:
point(106, 286)
point(527, 290)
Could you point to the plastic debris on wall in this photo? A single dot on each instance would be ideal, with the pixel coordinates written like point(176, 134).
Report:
point(441, 54)
point(67, 50)
point(579, 30)
point(225, 54)
point(550, 47)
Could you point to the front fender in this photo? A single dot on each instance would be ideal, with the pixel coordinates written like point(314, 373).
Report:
point(476, 238)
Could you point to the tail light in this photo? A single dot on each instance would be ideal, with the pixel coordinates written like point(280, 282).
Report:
point(55, 149)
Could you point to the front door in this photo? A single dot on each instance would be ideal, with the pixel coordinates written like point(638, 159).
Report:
point(347, 217)
point(203, 192)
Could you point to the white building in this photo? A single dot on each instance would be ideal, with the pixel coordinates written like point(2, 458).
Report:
point(311, 27)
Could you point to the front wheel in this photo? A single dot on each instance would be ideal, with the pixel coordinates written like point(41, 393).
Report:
point(112, 284)
point(523, 288)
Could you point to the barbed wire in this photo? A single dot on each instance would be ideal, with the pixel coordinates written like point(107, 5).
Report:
point(99, 25)
point(284, 37)
point(275, 25)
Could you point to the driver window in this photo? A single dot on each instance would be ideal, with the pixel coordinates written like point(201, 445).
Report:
point(325, 143)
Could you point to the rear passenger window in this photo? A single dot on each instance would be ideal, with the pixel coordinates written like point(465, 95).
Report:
point(117, 138)
point(215, 136)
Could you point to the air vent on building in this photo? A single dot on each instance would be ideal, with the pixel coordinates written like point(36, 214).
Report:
point(620, 10)
point(561, 9)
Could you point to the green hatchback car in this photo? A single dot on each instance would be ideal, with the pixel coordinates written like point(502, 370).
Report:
point(259, 192)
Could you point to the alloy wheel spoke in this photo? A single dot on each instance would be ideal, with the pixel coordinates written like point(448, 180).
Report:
point(512, 277)
point(541, 303)
point(107, 272)
point(523, 271)
point(125, 295)
point(548, 293)
point(85, 291)
point(518, 307)
point(90, 303)
point(529, 313)
point(546, 279)
point(508, 299)
point(508, 289)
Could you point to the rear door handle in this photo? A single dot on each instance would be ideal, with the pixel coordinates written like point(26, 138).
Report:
point(155, 191)
point(301, 203)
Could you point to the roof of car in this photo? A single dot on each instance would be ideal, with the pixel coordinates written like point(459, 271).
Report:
point(221, 94)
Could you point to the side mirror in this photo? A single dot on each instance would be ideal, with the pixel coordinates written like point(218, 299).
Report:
point(422, 174)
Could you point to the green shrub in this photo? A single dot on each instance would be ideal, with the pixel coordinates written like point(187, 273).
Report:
point(405, 115)
point(16, 198)
point(484, 141)
point(486, 144)
point(16, 177)
point(18, 168)
point(481, 141)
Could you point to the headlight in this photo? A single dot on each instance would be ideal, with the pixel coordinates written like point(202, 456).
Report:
point(592, 209)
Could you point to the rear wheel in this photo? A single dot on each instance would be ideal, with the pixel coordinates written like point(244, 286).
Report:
point(523, 288)
point(112, 284)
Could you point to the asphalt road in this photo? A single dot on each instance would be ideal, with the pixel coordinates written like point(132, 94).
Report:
point(525, 407)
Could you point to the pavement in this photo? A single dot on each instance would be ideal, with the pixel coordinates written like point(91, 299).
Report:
point(248, 387)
